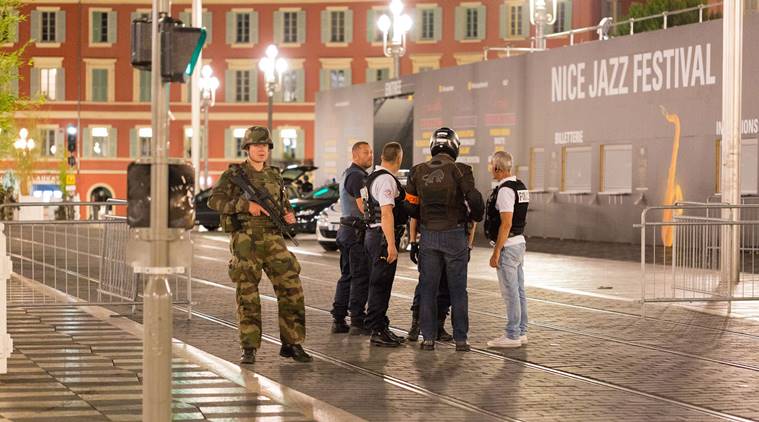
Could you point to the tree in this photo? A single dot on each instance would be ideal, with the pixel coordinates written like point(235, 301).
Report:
point(10, 62)
point(655, 7)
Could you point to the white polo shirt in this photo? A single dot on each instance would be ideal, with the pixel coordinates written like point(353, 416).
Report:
point(505, 203)
point(384, 190)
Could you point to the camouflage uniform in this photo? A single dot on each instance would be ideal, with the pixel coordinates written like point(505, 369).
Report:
point(257, 246)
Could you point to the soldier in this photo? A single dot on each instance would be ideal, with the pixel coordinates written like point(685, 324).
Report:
point(443, 198)
point(256, 244)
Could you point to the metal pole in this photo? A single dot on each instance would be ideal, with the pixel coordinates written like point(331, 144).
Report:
point(197, 21)
point(732, 65)
point(539, 29)
point(156, 369)
point(206, 145)
point(396, 64)
point(270, 115)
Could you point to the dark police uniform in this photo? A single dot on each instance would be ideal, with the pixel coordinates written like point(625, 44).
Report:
point(352, 288)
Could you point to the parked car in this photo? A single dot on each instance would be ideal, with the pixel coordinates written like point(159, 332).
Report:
point(308, 207)
point(326, 227)
point(290, 176)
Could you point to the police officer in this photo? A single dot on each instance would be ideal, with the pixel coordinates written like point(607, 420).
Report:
point(386, 217)
point(352, 288)
point(441, 194)
point(256, 245)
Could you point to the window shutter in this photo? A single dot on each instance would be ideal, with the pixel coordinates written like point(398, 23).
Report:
point(112, 28)
point(133, 144)
point(133, 17)
point(207, 22)
point(96, 29)
point(567, 15)
point(278, 26)
point(300, 149)
point(60, 26)
point(14, 81)
point(300, 92)
point(326, 27)
point(253, 78)
point(525, 21)
point(348, 77)
point(254, 27)
point(371, 75)
point(460, 22)
point(277, 151)
point(371, 24)
point(36, 25)
point(503, 22)
point(231, 28)
point(229, 86)
point(324, 80)
point(145, 86)
point(416, 30)
point(301, 27)
point(113, 142)
point(13, 30)
point(349, 26)
point(60, 84)
point(87, 142)
point(438, 20)
point(481, 22)
point(229, 144)
point(34, 82)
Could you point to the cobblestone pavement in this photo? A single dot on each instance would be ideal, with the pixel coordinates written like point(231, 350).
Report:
point(589, 357)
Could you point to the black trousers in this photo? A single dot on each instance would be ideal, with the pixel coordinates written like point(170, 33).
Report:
point(381, 279)
point(352, 288)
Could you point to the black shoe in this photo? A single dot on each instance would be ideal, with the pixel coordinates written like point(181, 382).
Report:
point(359, 330)
point(395, 337)
point(463, 346)
point(248, 357)
point(296, 352)
point(382, 338)
point(427, 345)
point(442, 335)
point(340, 327)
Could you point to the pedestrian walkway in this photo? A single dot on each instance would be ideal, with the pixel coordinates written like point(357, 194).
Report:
point(80, 363)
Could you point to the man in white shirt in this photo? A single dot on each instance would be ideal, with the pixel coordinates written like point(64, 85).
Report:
point(505, 220)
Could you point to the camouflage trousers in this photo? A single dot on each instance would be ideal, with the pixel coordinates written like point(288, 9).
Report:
point(254, 251)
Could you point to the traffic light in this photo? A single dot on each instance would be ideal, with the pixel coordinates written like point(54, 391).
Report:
point(180, 47)
point(181, 196)
point(71, 138)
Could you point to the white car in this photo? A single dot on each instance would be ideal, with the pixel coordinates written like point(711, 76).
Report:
point(327, 225)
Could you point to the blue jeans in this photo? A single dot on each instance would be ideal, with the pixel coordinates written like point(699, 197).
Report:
point(511, 281)
point(437, 250)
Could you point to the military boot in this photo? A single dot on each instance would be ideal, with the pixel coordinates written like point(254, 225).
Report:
point(248, 356)
point(413, 332)
point(296, 352)
point(340, 327)
point(442, 335)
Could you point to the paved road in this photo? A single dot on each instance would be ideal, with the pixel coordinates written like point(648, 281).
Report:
point(589, 358)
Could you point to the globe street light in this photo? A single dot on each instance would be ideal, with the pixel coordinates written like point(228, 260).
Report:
point(208, 85)
point(24, 144)
point(274, 69)
point(400, 24)
point(540, 17)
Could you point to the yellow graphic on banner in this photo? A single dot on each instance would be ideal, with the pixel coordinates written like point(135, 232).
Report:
point(500, 131)
point(674, 192)
point(71, 179)
point(464, 150)
point(466, 133)
point(422, 142)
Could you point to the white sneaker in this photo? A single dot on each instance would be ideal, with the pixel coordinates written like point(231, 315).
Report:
point(504, 341)
point(523, 339)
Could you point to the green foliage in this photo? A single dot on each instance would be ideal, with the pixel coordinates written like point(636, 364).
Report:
point(655, 7)
point(10, 62)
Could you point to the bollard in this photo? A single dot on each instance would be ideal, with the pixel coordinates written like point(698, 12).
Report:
point(6, 343)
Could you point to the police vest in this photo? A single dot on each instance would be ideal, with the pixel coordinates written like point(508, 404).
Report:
point(373, 212)
point(442, 204)
point(348, 206)
point(519, 218)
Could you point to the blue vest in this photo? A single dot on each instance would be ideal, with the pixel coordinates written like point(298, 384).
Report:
point(348, 206)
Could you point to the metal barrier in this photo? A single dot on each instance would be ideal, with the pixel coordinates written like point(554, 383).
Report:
point(685, 253)
point(85, 259)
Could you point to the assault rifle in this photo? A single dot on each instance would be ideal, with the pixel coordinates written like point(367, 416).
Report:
point(263, 198)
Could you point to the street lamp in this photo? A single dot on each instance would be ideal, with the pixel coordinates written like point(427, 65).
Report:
point(208, 85)
point(540, 17)
point(274, 68)
point(400, 24)
point(24, 144)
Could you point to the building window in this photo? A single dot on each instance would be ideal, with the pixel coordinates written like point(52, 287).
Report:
point(99, 86)
point(238, 135)
point(515, 21)
point(103, 27)
point(616, 165)
point(101, 143)
point(561, 18)
point(48, 142)
point(290, 27)
point(242, 86)
point(289, 139)
point(290, 87)
point(577, 168)
point(337, 26)
point(242, 28)
point(48, 83)
point(144, 137)
point(428, 24)
point(471, 23)
point(337, 78)
point(382, 74)
point(48, 27)
point(188, 142)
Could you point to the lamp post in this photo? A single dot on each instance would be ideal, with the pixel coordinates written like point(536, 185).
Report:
point(274, 68)
point(208, 85)
point(24, 146)
point(539, 16)
point(395, 46)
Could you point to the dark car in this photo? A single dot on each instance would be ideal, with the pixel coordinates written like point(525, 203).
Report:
point(291, 177)
point(308, 207)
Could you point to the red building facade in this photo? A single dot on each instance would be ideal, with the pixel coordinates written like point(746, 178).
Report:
point(79, 59)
